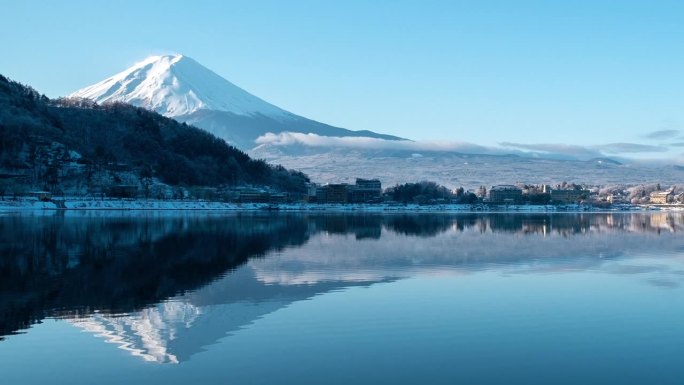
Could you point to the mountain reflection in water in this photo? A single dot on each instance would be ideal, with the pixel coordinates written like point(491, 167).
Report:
point(166, 286)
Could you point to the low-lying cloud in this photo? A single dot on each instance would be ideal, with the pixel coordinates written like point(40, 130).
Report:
point(573, 151)
point(662, 134)
point(630, 148)
point(587, 151)
point(314, 140)
point(542, 150)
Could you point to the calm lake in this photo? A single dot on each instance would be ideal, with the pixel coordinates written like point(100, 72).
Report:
point(206, 298)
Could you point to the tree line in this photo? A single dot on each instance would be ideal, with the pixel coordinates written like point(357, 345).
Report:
point(76, 143)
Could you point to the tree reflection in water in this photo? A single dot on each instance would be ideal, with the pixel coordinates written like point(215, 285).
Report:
point(80, 265)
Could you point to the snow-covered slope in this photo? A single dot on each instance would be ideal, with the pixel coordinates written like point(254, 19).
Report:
point(454, 169)
point(179, 87)
point(175, 85)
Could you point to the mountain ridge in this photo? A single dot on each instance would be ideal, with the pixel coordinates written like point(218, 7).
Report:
point(332, 154)
point(179, 87)
point(79, 147)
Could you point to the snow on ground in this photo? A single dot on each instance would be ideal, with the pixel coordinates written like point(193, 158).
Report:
point(26, 204)
point(169, 205)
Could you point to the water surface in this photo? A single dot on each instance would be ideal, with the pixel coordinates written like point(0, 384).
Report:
point(110, 298)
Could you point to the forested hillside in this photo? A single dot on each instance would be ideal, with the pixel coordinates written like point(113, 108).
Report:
point(76, 146)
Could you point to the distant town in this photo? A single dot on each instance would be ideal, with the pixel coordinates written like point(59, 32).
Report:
point(371, 192)
point(430, 193)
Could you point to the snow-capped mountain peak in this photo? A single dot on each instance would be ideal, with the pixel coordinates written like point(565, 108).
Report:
point(179, 87)
point(176, 85)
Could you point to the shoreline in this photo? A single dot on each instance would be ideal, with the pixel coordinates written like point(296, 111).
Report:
point(165, 205)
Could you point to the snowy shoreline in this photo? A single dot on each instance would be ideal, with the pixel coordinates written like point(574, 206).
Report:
point(137, 204)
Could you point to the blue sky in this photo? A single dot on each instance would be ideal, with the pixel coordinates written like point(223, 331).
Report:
point(552, 73)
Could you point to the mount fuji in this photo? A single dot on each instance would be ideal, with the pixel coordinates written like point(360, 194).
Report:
point(179, 87)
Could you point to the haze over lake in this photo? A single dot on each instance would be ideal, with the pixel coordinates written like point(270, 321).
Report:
point(140, 297)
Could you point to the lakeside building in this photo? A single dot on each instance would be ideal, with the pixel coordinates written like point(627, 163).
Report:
point(364, 191)
point(505, 194)
point(278, 198)
point(569, 196)
point(332, 193)
point(617, 198)
point(661, 197)
point(336, 193)
point(254, 196)
point(319, 196)
point(311, 191)
point(43, 196)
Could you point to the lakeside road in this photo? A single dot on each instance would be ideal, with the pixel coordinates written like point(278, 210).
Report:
point(144, 204)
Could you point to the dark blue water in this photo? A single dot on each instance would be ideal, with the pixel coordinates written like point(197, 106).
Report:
point(140, 298)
